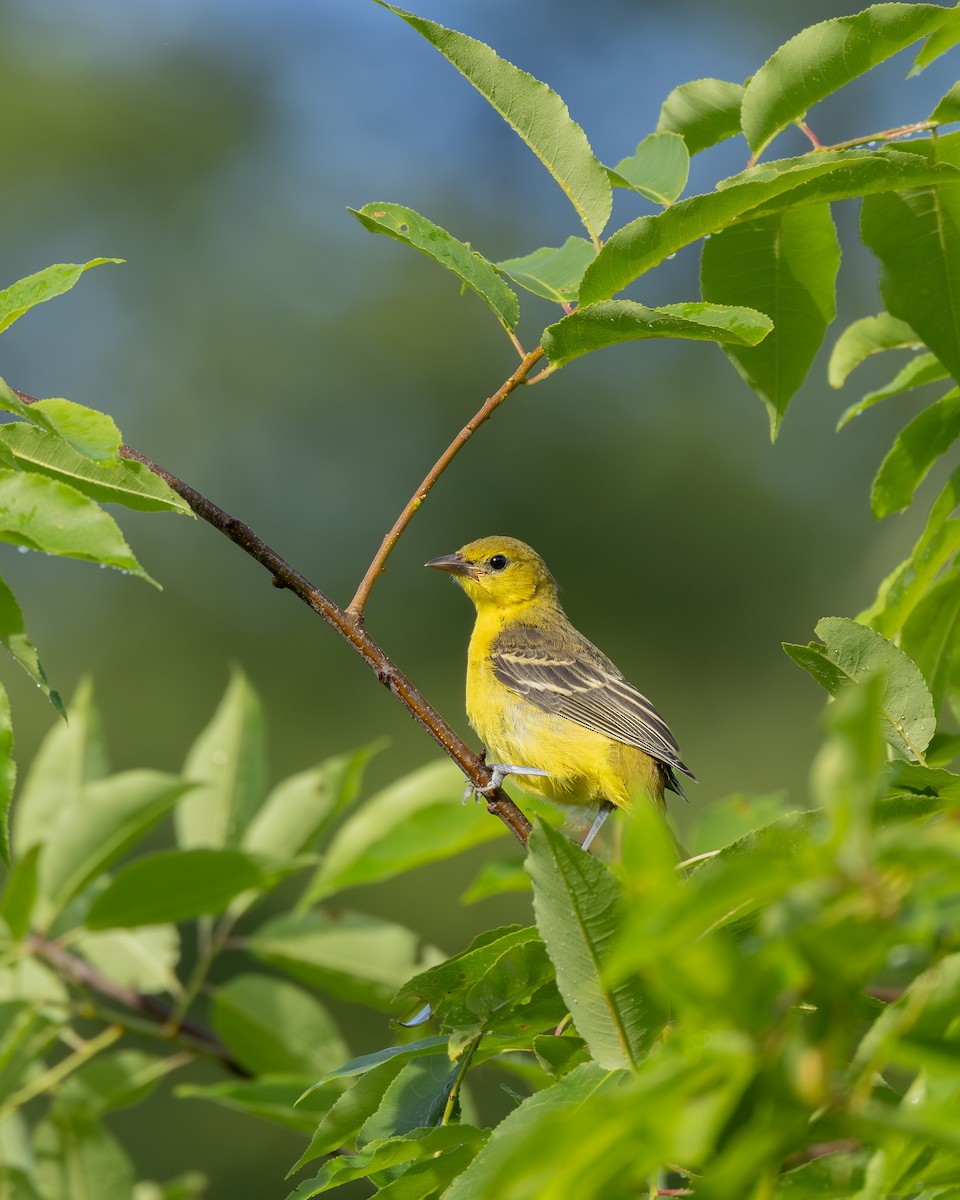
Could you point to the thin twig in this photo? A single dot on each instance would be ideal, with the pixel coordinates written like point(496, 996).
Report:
point(357, 605)
point(886, 135)
point(189, 1031)
point(286, 576)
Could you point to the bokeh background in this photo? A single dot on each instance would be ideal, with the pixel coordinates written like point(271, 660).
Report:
point(305, 374)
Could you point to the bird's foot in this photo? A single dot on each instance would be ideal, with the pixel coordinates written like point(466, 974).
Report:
point(500, 772)
point(605, 810)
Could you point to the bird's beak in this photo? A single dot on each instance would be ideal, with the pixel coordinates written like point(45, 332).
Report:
point(455, 563)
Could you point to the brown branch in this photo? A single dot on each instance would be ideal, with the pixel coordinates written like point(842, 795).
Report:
point(357, 605)
point(188, 1031)
point(351, 629)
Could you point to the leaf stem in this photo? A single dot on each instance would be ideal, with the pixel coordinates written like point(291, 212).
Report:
point(886, 135)
point(59, 1071)
point(462, 1067)
point(357, 605)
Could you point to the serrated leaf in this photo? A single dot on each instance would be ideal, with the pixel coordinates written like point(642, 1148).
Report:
point(915, 233)
point(91, 434)
point(26, 293)
point(613, 321)
point(535, 112)
point(831, 175)
point(657, 169)
point(823, 58)
point(350, 955)
point(849, 652)
point(867, 336)
point(366, 1062)
point(70, 756)
point(916, 448)
point(228, 762)
point(415, 1099)
point(415, 820)
point(8, 774)
point(471, 268)
point(110, 816)
point(578, 903)
point(13, 635)
point(274, 1027)
point(127, 482)
point(174, 885)
point(44, 514)
point(703, 112)
point(552, 272)
point(939, 42)
point(785, 266)
point(920, 370)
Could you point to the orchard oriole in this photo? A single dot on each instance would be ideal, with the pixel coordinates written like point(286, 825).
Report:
point(547, 703)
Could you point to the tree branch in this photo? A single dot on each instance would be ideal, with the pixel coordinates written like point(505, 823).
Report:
point(190, 1031)
point(357, 605)
point(351, 629)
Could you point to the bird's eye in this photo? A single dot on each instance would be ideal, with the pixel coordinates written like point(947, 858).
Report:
point(497, 563)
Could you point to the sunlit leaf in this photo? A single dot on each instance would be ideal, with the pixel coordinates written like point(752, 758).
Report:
point(849, 652)
point(657, 169)
point(916, 448)
point(143, 959)
point(920, 370)
point(599, 325)
point(553, 273)
point(13, 635)
point(703, 112)
point(471, 268)
point(23, 295)
point(931, 635)
point(537, 114)
point(864, 337)
point(824, 57)
point(8, 774)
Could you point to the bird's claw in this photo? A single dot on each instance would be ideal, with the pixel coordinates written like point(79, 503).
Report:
point(500, 771)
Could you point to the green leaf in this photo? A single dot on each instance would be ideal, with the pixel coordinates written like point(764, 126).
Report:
point(939, 42)
point(920, 370)
point(489, 1171)
point(657, 169)
point(272, 1098)
point(849, 652)
point(915, 233)
point(173, 886)
point(23, 295)
point(78, 1157)
point(867, 336)
point(70, 756)
point(947, 111)
point(553, 273)
point(535, 112)
point(606, 324)
point(471, 268)
point(366, 1062)
point(496, 877)
point(414, 821)
point(830, 175)
point(823, 58)
point(916, 448)
point(343, 1121)
point(784, 265)
point(142, 959)
point(91, 434)
point(44, 514)
point(109, 817)
point(8, 769)
point(379, 1156)
point(298, 811)
point(127, 482)
point(274, 1027)
point(902, 590)
point(703, 112)
point(228, 761)
point(578, 903)
point(726, 821)
point(20, 893)
point(13, 635)
point(111, 1081)
point(352, 956)
point(415, 1099)
point(931, 635)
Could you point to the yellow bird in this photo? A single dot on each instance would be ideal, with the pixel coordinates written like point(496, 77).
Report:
point(550, 706)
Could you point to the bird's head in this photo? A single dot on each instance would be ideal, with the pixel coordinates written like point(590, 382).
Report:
point(499, 572)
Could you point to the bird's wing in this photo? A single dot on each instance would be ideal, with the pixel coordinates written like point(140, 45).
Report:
point(580, 683)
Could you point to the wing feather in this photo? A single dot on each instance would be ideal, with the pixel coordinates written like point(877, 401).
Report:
point(577, 681)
